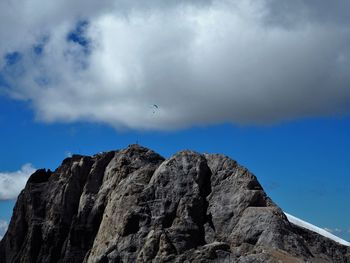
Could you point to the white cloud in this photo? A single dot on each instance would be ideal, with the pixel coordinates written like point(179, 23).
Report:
point(11, 183)
point(3, 228)
point(247, 62)
point(328, 229)
point(335, 230)
point(68, 154)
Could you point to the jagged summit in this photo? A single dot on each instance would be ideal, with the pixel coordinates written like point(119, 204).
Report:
point(133, 205)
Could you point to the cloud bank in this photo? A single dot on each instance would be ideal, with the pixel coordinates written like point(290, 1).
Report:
point(201, 62)
point(3, 228)
point(12, 183)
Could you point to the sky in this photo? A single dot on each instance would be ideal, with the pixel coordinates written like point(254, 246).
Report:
point(265, 82)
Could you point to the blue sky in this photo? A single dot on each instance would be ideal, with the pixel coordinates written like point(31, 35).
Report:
point(303, 165)
point(264, 82)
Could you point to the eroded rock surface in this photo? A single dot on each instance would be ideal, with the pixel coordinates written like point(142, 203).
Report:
point(133, 205)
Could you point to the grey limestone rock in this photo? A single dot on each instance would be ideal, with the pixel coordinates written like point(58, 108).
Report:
point(133, 205)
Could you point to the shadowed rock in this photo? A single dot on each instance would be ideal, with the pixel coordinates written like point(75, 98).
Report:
point(133, 205)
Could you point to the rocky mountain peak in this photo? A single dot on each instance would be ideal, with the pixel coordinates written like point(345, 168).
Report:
point(133, 205)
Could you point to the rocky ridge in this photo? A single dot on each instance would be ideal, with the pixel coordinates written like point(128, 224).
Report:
point(133, 205)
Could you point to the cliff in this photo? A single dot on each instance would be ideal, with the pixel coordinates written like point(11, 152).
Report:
point(133, 205)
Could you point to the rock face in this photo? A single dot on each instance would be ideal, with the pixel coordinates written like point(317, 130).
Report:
point(133, 205)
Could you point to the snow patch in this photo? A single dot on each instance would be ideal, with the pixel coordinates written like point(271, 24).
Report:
point(301, 223)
